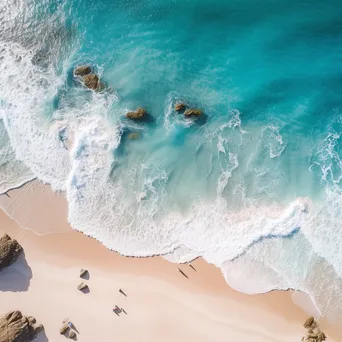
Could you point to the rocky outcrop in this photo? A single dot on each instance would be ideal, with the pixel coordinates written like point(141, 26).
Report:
point(193, 113)
point(180, 107)
point(82, 70)
point(314, 333)
point(92, 82)
point(14, 327)
point(9, 251)
point(139, 114)
point(88, 78)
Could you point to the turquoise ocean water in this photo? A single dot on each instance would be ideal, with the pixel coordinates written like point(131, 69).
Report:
point(255, 188)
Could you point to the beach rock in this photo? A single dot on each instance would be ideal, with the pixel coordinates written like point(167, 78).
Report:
point(14, 327)
point(321, 337)
point(180, 107)
point(64, 328)
point(309, 322)
point(83, 272)
point(91, 81)
point(138, 114)
point(72, 334)
point(82, 286)
point(133, 136)
point(82, 70)
point(9, 251)
point(193, 113)
point(32, 320)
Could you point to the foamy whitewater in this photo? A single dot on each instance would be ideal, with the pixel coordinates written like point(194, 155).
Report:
point(255, 189)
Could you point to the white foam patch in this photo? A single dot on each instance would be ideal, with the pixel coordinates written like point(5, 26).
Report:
point(25, 92)
point(98, 208)
point(13, 173)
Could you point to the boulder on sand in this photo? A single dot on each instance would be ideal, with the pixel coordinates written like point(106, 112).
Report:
point(72, 334)
point(309, 322)
point(321, 337)
point(314, 333)
point(193, 113)
point(83, 272)
point(82, 287)
point(180, 107)
point(64, 328)
point(82, 70)
point(14, 327)
point(9, 251)
point(138, 114)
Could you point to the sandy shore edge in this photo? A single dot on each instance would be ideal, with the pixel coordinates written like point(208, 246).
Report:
point(161, 303)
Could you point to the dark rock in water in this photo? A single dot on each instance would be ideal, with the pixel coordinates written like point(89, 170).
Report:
point(179, 107)
point(9, 251)
point(82, 70)
point(193, 113)
point(91, 81)
point(14, 327)
point(138, 114)
point(133, 136)
point(82, 287)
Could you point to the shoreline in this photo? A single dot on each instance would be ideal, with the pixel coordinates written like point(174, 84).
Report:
point(64, 252)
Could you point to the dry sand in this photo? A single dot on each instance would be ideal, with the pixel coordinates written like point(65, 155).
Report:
point(161, 304)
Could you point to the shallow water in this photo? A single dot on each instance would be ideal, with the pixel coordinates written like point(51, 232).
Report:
point(255, 188)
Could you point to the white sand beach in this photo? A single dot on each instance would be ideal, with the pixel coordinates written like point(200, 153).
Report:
point(161, 304)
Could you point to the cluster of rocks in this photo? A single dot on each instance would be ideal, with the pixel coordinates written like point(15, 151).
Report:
point(14, 327)
point(181, 107)
point(67, 330)
point(83, 287)
point(88, 78)
point(314, 333)
point(10, 250)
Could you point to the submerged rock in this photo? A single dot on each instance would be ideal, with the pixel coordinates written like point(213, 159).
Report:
point(82, 70)
point(14, 327)
point(179, 107)
point(133, 136)
point(193, 113)
point(138, 114)
point(9, 251)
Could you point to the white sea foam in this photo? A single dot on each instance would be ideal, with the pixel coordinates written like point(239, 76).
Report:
point(25, 90)
point(13, 172)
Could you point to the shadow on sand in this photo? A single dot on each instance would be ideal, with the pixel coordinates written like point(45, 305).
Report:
point(16, 278)
point(41, 337)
